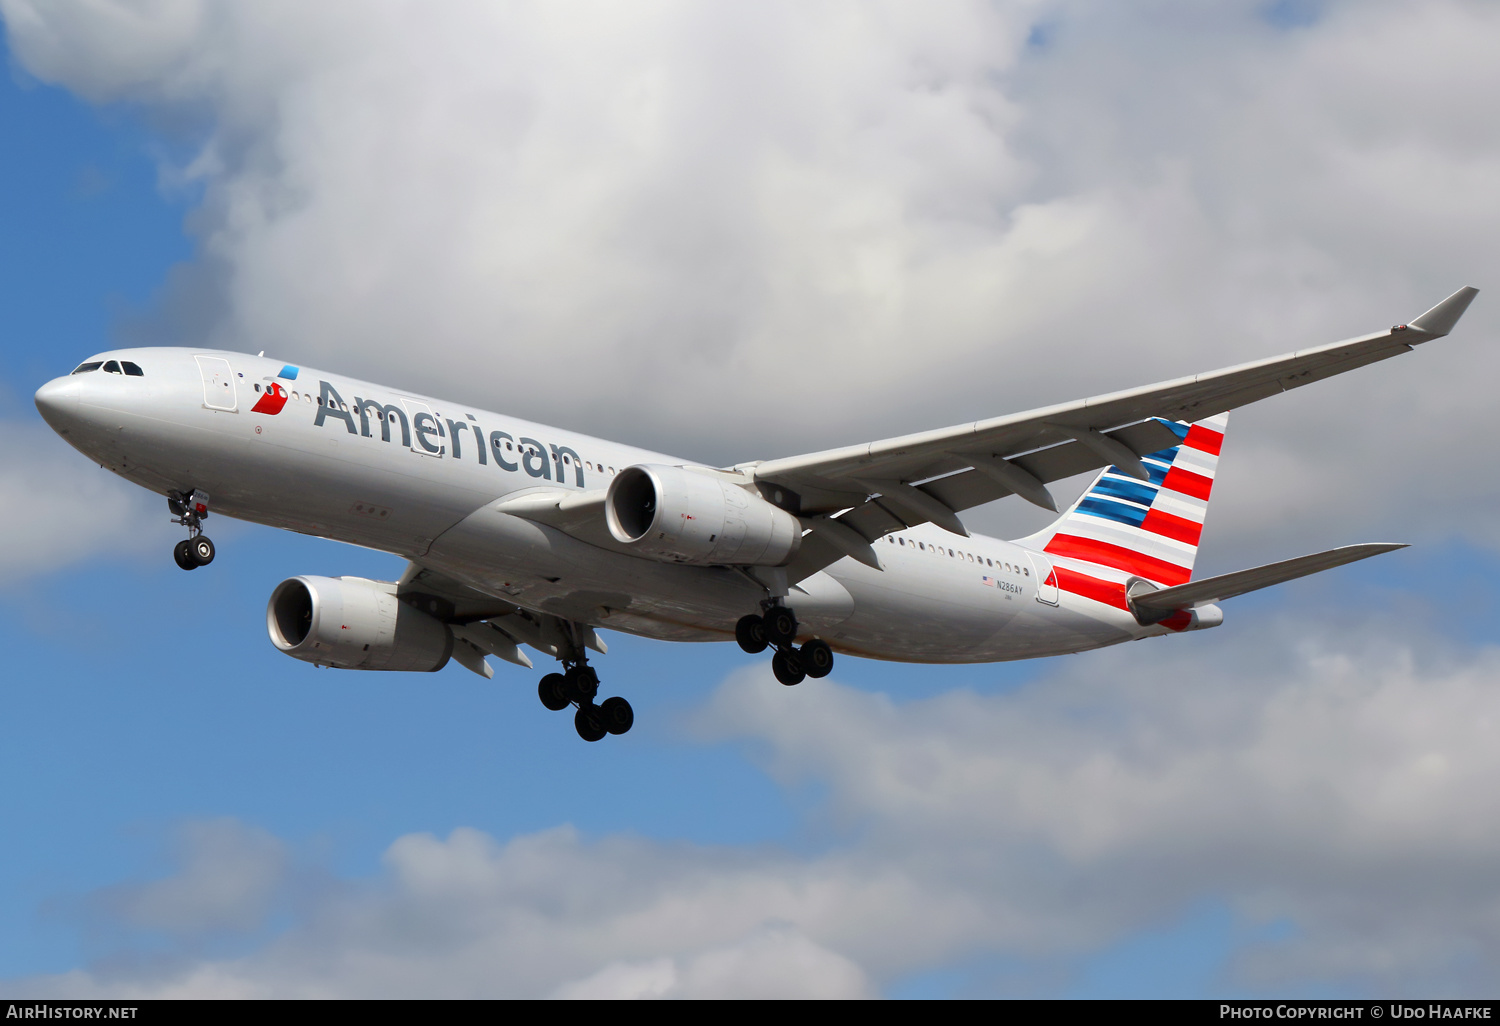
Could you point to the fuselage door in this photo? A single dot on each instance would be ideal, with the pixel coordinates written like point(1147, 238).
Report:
point(427, 434)
point(1046, 578)
point(218, 384)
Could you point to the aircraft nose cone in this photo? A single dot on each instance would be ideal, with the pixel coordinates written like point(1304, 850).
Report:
point(57, 402)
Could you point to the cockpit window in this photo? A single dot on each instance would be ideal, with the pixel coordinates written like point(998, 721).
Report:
point(84, 368)
point(132, 369)
point(112, 367)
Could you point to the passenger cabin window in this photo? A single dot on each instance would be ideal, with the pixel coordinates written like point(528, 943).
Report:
point(112, 368)
point(84, 368)
point(132, 369)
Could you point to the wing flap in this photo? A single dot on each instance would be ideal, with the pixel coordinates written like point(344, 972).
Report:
point(873, 518)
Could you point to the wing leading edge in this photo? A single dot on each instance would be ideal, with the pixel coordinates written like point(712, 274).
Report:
point(852, 496)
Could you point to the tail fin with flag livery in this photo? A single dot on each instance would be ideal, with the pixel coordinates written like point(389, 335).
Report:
point(1122, 527)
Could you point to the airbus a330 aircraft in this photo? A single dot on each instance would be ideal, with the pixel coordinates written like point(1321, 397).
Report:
point(520, 534)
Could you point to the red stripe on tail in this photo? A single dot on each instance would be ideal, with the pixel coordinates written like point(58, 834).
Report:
point(1188, 483)
point(1174, 527)
point(1204, 439)
point(1105, 554)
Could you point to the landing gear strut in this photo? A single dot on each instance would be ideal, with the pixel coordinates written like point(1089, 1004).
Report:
point(190, 510)
point(778, 627)
point(577, 685)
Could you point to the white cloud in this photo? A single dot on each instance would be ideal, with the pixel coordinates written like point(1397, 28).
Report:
point(228, 876)
point(769, 963)
point(750, 230)
point(57, 508)
point(1340, 789)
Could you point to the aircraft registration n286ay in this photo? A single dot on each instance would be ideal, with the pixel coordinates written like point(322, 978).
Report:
point(523, 535)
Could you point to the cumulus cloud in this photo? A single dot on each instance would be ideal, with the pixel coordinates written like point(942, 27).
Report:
point(750, 230)
point(227, 877)
point(770, 963)
point(1338, 791)
point(57, 509)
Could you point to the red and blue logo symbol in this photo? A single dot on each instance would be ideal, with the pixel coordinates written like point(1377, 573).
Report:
point(272, 400)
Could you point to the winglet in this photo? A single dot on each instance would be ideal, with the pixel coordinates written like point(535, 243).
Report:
point(1440, 319)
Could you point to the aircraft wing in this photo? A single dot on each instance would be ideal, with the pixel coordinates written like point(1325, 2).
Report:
point(851, 496)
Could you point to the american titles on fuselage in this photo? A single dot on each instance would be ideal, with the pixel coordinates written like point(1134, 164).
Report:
point(431, 434)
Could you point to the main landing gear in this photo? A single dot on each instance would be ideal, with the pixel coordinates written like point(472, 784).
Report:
point(190, 509)
point(577, 685)
point(778, 627)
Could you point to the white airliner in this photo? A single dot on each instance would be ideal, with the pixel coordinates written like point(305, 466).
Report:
point(520, 534)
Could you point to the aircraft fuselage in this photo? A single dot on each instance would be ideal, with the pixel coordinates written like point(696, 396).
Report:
point(327, 455)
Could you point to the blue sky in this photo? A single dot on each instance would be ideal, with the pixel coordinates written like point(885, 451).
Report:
point(1240, 812)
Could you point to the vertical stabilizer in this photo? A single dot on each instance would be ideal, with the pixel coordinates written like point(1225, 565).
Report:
point(1122, 527)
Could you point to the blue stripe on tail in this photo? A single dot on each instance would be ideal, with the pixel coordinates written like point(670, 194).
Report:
point(1125, 488)
point(1111, 510)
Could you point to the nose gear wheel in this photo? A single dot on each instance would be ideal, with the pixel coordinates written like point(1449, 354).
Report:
point(181, 552)
point(190, 509)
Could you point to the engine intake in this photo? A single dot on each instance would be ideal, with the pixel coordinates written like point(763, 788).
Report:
point(685, 516)
point(354, 624)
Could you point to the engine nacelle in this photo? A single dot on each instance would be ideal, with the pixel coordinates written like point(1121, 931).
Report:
point(354, 624)
point(683, 516)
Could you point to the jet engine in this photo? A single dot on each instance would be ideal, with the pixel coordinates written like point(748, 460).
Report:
point(354, 624)
point(686, 516)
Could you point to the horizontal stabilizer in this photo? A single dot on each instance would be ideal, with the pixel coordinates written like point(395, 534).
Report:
point(1216, 589)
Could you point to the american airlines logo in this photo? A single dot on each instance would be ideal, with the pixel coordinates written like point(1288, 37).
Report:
point(271, 400)
point(537, 459)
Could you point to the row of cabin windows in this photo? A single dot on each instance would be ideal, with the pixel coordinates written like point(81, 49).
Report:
point(567, 460)
point(134, 370)
point(938, 550)
point(112, 367)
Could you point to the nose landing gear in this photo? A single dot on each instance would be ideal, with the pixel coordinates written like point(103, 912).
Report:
point(778, 627)
point(190, 510)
